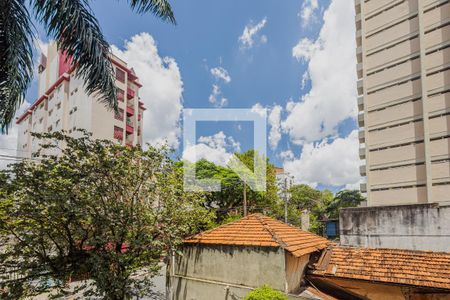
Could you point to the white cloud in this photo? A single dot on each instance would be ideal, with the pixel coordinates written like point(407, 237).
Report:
point(274, 121)
point(250, 35)
point(161, 91)
point(305, 49)
point(216, 98)
point(309, 11)
point(335, 163)
point(332, 70)
point(353, 186)
point(221, 73)
point(258, 108)
point(305, 78)
point(286, 155)
point(217, 148)
point(41, 46)
point(8, 142)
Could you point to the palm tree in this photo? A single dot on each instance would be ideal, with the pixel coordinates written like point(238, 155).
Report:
point(72, 24)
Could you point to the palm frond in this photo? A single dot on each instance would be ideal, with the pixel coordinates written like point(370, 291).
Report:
point(160, 8)
point(77, 32)
point(16, 58)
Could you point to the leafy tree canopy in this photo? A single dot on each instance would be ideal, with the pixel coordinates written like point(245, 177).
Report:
point(100, 211)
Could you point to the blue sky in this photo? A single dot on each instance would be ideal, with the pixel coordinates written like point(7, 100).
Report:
point(294, 58)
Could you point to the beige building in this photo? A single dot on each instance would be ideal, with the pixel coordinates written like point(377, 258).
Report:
point(63, 104)
point(403, 54)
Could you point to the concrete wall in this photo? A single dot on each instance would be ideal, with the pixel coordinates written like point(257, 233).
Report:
point(417, 227)
point(226, 272)
point(247, 267)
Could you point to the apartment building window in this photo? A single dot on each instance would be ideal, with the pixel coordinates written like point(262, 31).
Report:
point(50, 112)
point(120, 75)
point(58, 106)
point(40, 120)
point(57, 124)
point(120, 95)
point(50, 128)
point(119, 115)
point(118, 133)
point(50, 97)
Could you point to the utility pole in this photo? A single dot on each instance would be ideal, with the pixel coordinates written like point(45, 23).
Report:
point(245, 199)
point(286, 195)
point(285, 200)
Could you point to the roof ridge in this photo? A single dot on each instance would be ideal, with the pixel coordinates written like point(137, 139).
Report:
point(218, 227)
point(394, 250)
point(271, 231)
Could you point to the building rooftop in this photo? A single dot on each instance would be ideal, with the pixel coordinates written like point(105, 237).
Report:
point(260, 230)
point(394, 266)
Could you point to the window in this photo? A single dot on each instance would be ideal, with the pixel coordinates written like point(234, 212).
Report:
point(120, 94)
point(57, 123)
point(120, 75)
point(50, 112)
point(119, 115)
point(58, 106)
point(50, 128)
point(50, 97)
point(40, 120)
point(118, 133)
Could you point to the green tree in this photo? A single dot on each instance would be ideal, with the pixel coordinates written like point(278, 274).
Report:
point(99, 210)
point(228, 202)
point(315, 202)
point(77, 32)
point(342, 199)
point(265, 292)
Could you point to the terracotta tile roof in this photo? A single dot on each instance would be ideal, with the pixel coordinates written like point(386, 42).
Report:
point(409, 267)
point(260, 230)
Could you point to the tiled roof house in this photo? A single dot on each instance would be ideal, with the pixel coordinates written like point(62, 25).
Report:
point(384, 273)
point(230, 260)
point(234, 258)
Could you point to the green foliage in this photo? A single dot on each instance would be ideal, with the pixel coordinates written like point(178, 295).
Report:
point(99, 210)
point(344, 198)
point(76, 30)
point(321, 205)
point(265, 292)
point(228, 203)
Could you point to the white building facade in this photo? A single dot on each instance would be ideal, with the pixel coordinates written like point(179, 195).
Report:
point(63, 104)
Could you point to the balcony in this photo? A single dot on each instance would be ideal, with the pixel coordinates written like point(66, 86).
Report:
point(363, 187)
point(139, 117)
point(361, 102)
point(361, 135)
point(120, 95)
point(130, 111)
point(361, 119)
point(359, 86)
point(362, 153)
point(129, 144)
point(129, 129)
point(362, 170)
point(118, 133)
point(130, 93)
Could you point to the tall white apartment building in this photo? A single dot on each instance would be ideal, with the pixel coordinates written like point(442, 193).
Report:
point(403, 54)
point(63, 104)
